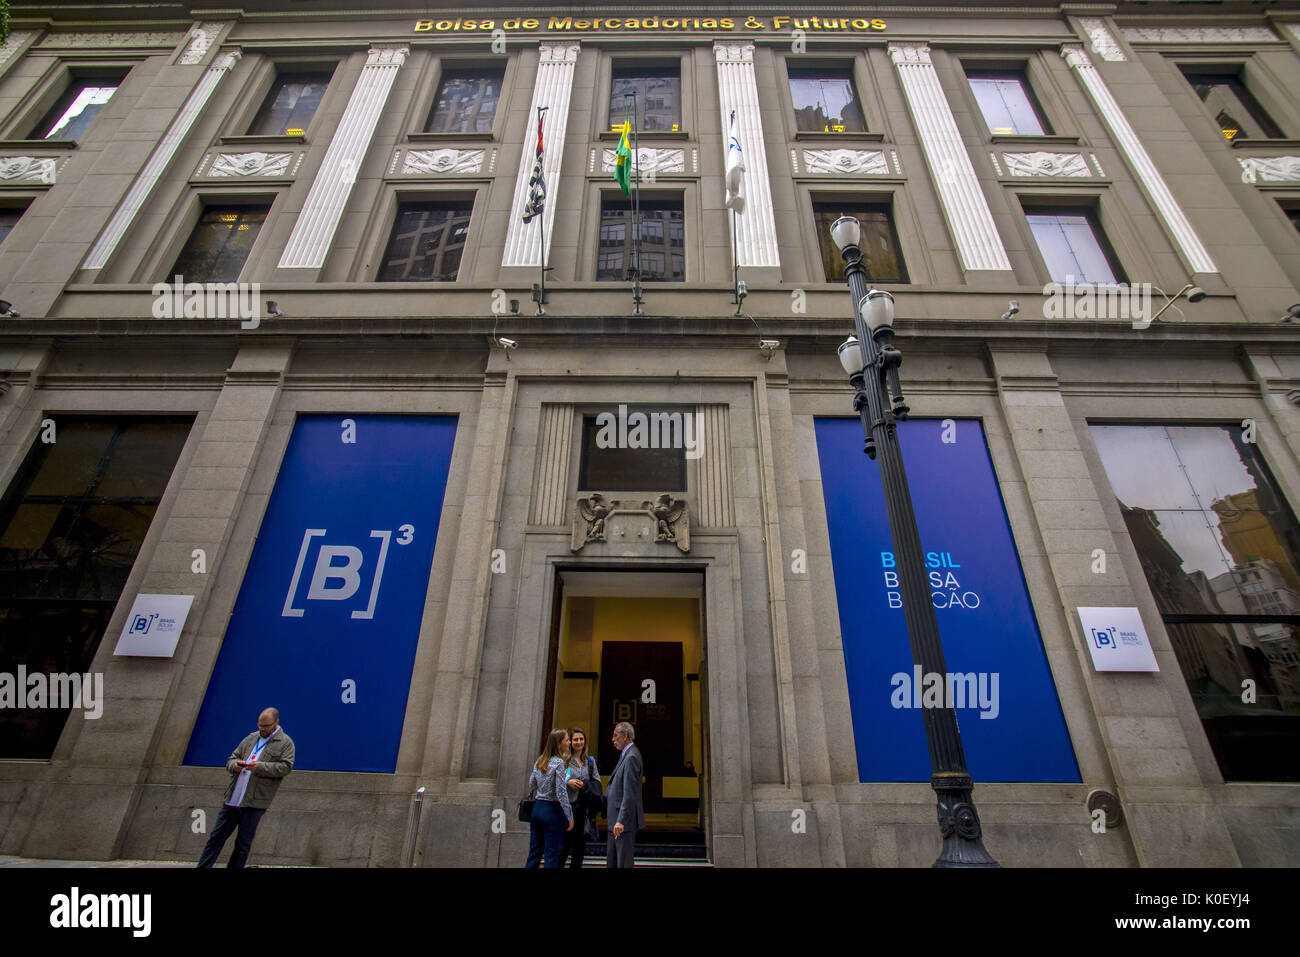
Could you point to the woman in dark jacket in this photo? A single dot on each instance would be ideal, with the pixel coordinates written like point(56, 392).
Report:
point(551, 812)
point(584, 795)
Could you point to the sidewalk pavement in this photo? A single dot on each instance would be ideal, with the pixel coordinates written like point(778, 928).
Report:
point(8, 861)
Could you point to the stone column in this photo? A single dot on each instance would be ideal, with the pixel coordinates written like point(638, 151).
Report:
point(978, 244)
point(313, 233)
point(756, 243)
point(552, 89)
point(1126, 140)
point(160, 159)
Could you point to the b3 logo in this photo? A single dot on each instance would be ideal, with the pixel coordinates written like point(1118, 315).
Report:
point(1104, 637)
point(331, 581)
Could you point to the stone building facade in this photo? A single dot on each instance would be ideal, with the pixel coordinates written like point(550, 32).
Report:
point(387, 232)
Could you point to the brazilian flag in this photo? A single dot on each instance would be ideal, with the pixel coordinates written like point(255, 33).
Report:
point(623, 161)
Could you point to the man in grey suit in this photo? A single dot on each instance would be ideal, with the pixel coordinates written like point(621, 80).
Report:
point(623, 800)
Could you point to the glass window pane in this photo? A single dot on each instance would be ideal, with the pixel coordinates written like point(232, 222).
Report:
point(219, 246)
point(427, 242)
point(1007, 104)
point(69, 465)
point(606, 467)
point(143, 458)
point(662, 230)
point(291, 103)
point(658, 97)
point(825, 102)
point(75, 110)
point(1235, 109)
point(881, 254)
point(1070, 248)
point(8, 220)
point(466, 102)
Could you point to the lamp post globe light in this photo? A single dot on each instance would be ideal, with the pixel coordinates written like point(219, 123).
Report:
point(872, 362)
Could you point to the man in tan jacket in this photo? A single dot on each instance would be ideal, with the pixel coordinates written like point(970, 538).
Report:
point(256, 768)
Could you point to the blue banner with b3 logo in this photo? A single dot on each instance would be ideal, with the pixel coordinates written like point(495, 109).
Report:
point(328, 617)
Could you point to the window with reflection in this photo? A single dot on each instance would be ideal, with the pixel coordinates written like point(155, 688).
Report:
point(8, 220)
point(658, 92)
point(427, 241)
point(1220, 549)
point(220, 243)
point(77, 108)
point(73, 521)
point(1007, 102)
point(881, 254)
point(825, 100)
point(663, 240)
point(291, 103)
point(1233, 106)
point(637, 449)
point(1073, 246)
point(466, 101)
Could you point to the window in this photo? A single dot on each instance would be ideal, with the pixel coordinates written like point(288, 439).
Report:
point(662, 231)
point(466, 101)
point(1234, 108)
point(880, 251)
point(658, 97)
point(8, 220)
point(1203, 512)
point(636, 449)
point(219, 246)
point(825, 101)
point(1007, 103)
point(427, 242)
point(1293, 214)
point(1073, 246)
point(291, 103)
point(77, 108)
point(73, 522)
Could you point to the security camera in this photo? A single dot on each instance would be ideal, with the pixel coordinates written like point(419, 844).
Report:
point(768, 346)
point(507, 344)
point(7, 310)
point(273, 309)
point(1013, 307)
point(742, 291)
point(514, 307)
point(1292, 313)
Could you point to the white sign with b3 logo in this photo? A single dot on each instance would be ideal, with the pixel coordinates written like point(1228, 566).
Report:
point(1117, 639)
point(154, 626)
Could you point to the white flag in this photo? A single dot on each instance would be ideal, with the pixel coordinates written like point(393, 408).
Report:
point(735, 171)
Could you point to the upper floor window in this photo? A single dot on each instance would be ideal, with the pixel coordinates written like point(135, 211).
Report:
point(466, 101)
point(662, 230)
point(427, 242)
point(658, 92)
point(879, 243)
point(291, 103)
point(653, 455)
point(1007, 103)
point(1073, 246)
point(77, 108)
point(8, 220)
point(825, 101)
point(220, 243)
point(1293, 214)
point(1234, 107)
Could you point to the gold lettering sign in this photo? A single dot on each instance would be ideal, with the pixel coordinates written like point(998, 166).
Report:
point(660, 24)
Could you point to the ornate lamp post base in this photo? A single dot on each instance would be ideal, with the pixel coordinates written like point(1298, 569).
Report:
point(959, 823)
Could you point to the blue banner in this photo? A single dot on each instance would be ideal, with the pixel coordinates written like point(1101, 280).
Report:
point(998, 679)
point(328, 617)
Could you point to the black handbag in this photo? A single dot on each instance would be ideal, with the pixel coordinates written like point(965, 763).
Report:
point(526, 804)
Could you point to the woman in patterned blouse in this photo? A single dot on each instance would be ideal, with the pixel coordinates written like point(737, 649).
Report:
point(552, 810)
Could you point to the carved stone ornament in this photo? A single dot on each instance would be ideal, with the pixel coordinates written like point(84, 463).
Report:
point(903, 53)
point(201, 39)
point(650, 160)
point(443, 161)
point(845, 161)
point(1103, 44)
point(1199, 35)
point(27, 169)
point(250, 164)
point(16, 39)
point(558, 52)
point(733, 51)
point(1046, 164)
point(387, 56)
point(1270, 169)
point(111, 40)
point(668, 518)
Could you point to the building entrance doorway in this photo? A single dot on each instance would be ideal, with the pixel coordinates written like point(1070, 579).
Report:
point(628, 646)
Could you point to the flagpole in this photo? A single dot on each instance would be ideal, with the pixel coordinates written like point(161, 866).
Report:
point(636, 208)
point(735, 258)
point(541, 299)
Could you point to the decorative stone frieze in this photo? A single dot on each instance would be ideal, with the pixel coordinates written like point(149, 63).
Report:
point(649, 160)
point(846, 162)
point(1103, 44)
point(27, 169)
point(1270, 169)
point(443, 161)
point(1046, 164)
point(250, 164)
point(665, 519)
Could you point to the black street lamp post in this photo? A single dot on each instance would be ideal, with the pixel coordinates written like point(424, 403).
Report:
point(872, 363)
